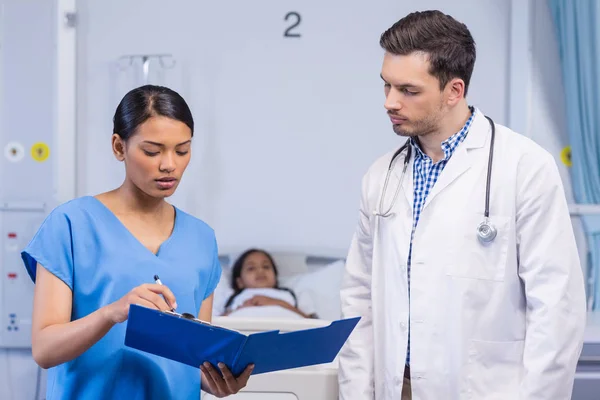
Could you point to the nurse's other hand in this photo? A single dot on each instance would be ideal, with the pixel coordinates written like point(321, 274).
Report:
point(223, 384)
point(149, 295)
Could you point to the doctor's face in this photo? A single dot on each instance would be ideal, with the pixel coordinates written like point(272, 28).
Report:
point(156, 155)
point(413, 99)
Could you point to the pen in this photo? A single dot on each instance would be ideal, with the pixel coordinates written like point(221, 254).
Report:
point(157, 280)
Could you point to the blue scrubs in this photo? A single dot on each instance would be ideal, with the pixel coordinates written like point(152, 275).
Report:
point(84, 244)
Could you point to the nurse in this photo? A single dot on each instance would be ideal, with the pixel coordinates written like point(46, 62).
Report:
point(96, 255)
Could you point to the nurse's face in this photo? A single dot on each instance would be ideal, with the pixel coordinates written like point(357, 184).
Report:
point(257, 272)
point(156, 155)
point(413, 99)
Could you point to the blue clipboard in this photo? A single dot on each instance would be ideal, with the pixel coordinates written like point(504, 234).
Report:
point(193, 342)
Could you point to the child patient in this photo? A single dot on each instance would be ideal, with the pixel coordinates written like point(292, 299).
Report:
point(257, 292)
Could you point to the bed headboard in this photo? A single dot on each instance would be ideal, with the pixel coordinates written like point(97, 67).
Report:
point(289, 262)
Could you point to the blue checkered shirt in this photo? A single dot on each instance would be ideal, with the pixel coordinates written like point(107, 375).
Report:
point(425, 174)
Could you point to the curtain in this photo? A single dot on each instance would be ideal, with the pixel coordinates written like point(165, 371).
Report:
point(577, 25)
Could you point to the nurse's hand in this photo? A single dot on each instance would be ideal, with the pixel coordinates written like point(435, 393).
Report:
point(149, 295)
point(223, 384)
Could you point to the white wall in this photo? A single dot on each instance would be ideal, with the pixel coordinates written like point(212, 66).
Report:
point(276, 162)
point(286, 127)
point(27, 115)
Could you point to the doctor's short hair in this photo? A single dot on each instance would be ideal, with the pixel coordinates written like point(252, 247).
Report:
point(447, 42)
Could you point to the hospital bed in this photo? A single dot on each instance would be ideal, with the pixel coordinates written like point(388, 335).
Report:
point(319, 274)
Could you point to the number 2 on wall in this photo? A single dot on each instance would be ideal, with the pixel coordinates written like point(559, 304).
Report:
point(288, 31)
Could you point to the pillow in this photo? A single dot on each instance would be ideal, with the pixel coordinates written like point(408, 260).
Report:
point(222, 293)
point(323, 286)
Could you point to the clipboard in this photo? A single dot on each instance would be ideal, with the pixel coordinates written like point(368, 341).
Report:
point(194, 342)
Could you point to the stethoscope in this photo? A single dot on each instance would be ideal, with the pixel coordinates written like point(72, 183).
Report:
point(486, 231)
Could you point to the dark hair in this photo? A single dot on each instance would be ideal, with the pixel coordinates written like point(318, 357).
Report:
point(147, 101)
point(236, 272)
point(447, 42)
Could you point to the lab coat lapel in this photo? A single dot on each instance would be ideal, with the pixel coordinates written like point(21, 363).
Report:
point(458, 164)
point(461, 160)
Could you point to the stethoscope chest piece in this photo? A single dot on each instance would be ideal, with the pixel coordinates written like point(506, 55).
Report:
point(486, 232)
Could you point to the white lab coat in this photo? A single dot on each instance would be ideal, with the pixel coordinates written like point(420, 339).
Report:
point(502, 322)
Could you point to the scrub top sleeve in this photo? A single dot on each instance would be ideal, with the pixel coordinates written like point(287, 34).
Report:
point(215, 274)
point(52, 247)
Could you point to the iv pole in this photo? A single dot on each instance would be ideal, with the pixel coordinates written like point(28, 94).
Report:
point(166, 61)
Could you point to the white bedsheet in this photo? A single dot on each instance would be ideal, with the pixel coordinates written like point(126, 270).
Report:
point(273, 293)
point(265, 312)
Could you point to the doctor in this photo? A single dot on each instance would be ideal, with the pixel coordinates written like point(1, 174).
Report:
point(464, 266)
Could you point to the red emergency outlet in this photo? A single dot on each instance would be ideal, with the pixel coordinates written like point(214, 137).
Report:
point(12, 275)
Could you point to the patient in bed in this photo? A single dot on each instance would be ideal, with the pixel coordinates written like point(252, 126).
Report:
point(257, 292)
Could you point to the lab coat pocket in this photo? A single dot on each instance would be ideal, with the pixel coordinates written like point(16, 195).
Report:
point(477, 260)
point(494, 369)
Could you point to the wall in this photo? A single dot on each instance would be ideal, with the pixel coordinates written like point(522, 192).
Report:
point(286, 127)
point(27, 115)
